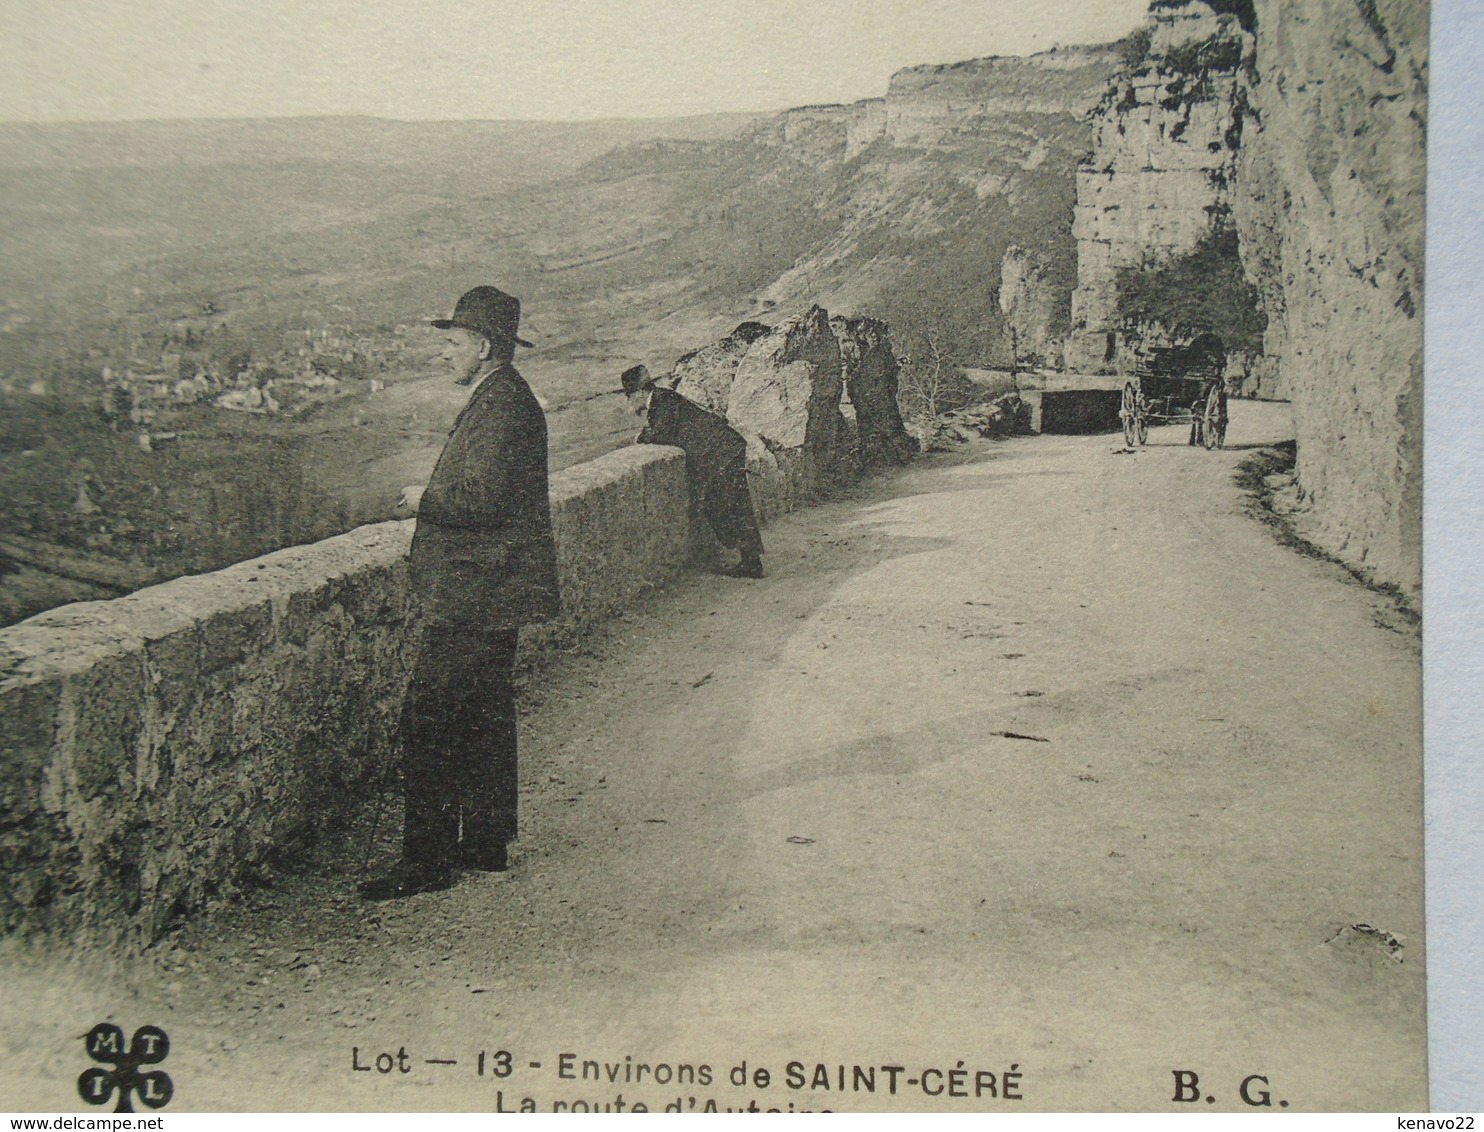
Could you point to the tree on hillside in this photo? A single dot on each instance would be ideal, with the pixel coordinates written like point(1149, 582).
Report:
point(1205, 289)
point(931, 381)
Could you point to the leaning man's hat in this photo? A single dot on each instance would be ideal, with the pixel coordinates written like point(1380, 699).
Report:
point(488, 311)
point(636, 378)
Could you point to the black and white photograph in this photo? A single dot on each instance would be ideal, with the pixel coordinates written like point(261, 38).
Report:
point(689, 557)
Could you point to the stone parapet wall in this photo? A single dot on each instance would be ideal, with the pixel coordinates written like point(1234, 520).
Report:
point(622, 526)
point(161, 749)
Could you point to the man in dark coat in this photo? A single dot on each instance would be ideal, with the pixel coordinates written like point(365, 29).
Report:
point(483, 563)
point(715, 463)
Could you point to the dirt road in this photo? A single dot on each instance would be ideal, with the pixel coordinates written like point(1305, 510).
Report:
point(1039, 758)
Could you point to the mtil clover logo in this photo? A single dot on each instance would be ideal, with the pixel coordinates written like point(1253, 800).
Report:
point(105, 1043)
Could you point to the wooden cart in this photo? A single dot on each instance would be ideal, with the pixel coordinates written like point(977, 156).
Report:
point(1178, 385)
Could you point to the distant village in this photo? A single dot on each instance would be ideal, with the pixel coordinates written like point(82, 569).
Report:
point(155, 388)
point(312, 367)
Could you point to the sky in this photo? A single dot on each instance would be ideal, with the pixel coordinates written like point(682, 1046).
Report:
point(556, 60)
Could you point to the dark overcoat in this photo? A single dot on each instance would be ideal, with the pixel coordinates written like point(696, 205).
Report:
point(715, 464)
point(483, 552)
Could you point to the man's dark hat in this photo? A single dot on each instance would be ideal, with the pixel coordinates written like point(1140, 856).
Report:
point(488, 311)
point(636, 378)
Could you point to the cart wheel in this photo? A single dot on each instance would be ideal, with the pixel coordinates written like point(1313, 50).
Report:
point(1143, 429)
point(1213, 431)
point(1128, 414)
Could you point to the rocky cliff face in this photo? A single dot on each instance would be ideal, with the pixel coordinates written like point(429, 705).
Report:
point(1159, 182)
point(929, 186)
point(1287, 137)
point(940, 105)
point(1330, 210)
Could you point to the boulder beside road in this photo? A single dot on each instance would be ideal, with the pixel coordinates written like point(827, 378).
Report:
point(705, 376)
point(869, 370)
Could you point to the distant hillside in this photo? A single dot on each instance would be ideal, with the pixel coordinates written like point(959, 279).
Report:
point(901, 207)
point(515, 152)
point(958, 164)
point(135, 223)
point(286, 267)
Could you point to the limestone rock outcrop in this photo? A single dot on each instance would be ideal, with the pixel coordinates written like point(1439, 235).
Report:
point(904, 206)
point(705, 376)
point(869, 371)
point(1289, 137)
point(815, 397)
point(932, 106)
point(1030, 302)
point(1159, 181)
point(1329, 207)
point(786, 397)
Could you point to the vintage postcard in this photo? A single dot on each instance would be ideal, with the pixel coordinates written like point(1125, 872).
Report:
point(686, 558)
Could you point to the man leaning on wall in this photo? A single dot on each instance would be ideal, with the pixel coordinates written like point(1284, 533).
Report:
point(715, 463)
point(483, 563)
